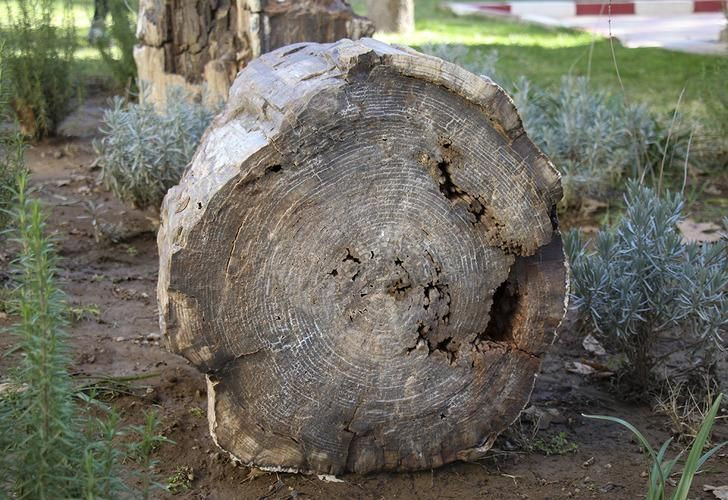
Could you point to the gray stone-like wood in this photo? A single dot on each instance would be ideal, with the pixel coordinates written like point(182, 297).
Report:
point(364, 258)
point(204, 43)
point(392, 16)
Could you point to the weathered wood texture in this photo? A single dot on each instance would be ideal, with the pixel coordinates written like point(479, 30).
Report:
point(364, 257)
point(189, 43)
point(393, 16)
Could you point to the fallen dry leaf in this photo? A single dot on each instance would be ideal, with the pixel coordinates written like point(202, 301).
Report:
point(590, 206)
point(710, 188)
point(329, 478)
point(254, 473)
point(581, 368)
point(699, 232)
point(593, 346)
point(720, 492)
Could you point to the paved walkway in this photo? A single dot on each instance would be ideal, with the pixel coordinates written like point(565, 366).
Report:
point(647, 24)
point(697, 33)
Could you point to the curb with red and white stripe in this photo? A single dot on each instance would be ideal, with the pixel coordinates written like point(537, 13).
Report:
point(559, 9)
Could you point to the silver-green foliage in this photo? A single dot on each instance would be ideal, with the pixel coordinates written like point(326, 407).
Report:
point(641, 280)
point(144, 150)
point(595, 139)
point(50, 444)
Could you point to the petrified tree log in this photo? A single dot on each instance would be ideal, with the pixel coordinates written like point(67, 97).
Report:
point(364, 258)
point(395, 16)
point(188, 43)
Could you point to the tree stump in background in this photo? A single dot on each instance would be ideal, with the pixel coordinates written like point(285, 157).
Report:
point(364, 258)
point(191, 43)
point(392, 16)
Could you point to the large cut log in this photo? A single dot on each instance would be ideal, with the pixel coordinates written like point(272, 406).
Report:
point(204, 43)
point(364, 258)
point(395, 16)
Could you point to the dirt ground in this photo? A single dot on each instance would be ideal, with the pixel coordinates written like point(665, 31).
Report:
point(109, 272)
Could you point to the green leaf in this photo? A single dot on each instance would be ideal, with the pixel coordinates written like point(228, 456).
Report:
point(695, 458)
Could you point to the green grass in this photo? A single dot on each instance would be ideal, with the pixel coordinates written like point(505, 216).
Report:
point(543, 55)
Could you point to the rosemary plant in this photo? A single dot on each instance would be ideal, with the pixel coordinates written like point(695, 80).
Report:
point(144, 151)
point(642, 280)
point(40, 61)
point(51, 444)
point(38, 414)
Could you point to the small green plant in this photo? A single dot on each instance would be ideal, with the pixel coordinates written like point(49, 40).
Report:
point(39, 62)
point(144, 151)
point(131, 250)
point(181, 480)
point(554, 444)
point(84, 312)
point(642, 281)
point(102, 458)
point(143, 452)
point(12, 150)
point(661, 468)
point(197, 412)
point(116, 43)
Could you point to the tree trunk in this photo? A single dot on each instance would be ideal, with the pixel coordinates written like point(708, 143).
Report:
point(196, 43)
point(364, 258)
point(392, 16)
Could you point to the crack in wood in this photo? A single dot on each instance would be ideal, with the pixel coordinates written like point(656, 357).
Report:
point(482, 214)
